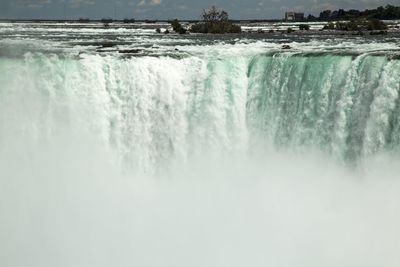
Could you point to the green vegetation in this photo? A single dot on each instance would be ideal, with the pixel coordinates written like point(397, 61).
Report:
point(381, 13)
point(107, 20)
point(304, 27)
point(215, 21)
point(376, 24)
point(177, 27)
point(357, 25)
point(126, 20)
point(84, 20)
point(330, 26)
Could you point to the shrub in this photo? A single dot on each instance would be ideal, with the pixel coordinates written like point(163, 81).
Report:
point(177, 27)
point(304, 27)
point(376, 25)
point(352, 26)
point(358, 25)
point(106, 20)
point(84, 20)
point(215, 21)
point(329, 26)
point(126, 20)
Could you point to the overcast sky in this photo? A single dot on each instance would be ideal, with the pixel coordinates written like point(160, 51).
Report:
point(166, 9)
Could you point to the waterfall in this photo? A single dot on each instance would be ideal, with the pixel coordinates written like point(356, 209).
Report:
point(155, 111)
point(347, 106)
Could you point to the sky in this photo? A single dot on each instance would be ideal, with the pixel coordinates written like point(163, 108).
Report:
point(168, 9)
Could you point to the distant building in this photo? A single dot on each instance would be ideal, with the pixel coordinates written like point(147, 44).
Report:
point(293, 16)
point(289, 16)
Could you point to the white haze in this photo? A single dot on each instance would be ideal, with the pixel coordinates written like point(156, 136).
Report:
point(66, 203)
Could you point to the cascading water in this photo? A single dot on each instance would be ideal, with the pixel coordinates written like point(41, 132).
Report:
point(150, 110)
point(208, 154)
point(345, 105)
point(153, 111)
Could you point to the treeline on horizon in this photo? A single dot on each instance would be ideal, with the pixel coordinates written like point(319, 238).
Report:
point(388, 12)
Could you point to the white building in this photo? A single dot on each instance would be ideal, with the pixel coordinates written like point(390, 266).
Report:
point(293, 16)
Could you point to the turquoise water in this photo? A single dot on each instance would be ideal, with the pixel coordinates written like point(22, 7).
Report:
point(152, 110)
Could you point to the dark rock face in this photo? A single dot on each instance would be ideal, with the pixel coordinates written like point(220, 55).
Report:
point(129, 51)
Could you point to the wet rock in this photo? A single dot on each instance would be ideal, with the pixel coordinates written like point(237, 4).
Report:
point(107, 45)
point(378, 33)
point(129, 51)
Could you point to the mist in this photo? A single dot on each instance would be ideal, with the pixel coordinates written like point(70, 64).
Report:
point(67, 204)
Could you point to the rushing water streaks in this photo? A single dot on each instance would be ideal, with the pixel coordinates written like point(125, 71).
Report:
point(154, 110)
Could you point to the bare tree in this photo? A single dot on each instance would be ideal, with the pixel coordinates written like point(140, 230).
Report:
point(214, 15)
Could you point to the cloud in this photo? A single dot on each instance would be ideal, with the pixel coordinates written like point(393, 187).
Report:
point(150, 2)
point(31, 3)
point(79, 3)
point(155, 2)
point(182, 7)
